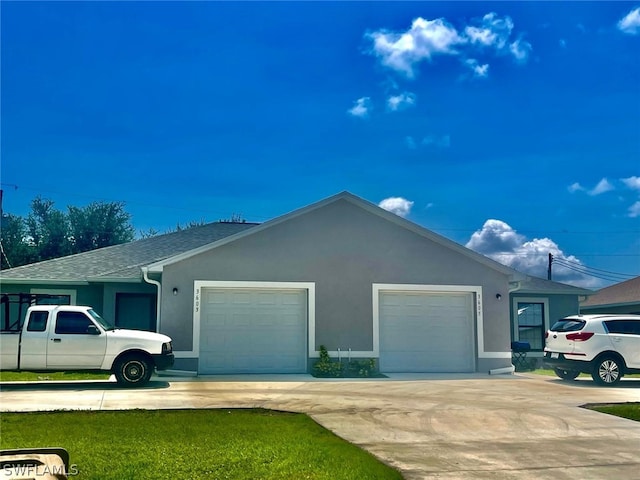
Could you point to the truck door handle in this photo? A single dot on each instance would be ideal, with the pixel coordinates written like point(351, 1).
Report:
point(57, 340)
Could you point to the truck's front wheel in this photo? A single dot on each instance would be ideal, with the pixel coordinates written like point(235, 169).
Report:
point(133, 370)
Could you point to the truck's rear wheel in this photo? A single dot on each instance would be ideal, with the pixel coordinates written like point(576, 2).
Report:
point(133, 370)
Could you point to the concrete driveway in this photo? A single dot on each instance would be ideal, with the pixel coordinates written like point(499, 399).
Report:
point(429, 426)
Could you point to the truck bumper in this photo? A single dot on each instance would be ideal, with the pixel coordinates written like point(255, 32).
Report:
point(163, 360)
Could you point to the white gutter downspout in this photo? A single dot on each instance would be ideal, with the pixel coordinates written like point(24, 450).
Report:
point(507, 370)
point(145, 275)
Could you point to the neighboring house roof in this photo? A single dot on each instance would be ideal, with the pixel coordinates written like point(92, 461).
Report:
point(548, 287)
point(624, 293)
point(372, 208)
point(122, 262)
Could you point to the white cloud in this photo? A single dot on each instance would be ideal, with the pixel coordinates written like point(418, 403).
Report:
point(495, 237)
point(403, 51)
point(361, 108)
point(630, 23)
point(493, 31)
point(520, 50)
point(398, 205)
point(426, 38)
point(634, 210)
point(479, 71)
point(499, 241)
point(603, 186)
point(575, 187)
point(632, 182)
point(563, 43)
point(401, 101)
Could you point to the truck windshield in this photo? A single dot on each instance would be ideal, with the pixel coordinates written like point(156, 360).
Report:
point(101, 321)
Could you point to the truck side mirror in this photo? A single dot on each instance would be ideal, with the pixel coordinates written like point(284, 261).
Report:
point(93, 330)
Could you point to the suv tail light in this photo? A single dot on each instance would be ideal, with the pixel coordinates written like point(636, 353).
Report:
point(579, 336)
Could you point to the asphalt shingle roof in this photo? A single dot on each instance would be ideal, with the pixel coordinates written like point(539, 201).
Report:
point(543, 286)
point(123, 262)
point(620, 293)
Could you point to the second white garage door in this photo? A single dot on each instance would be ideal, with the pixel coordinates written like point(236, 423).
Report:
point(253, 331)
point(426, 332)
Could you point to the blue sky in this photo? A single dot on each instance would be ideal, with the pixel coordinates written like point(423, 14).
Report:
point(512, 128)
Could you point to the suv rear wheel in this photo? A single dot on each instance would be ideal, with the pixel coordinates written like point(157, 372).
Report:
point(566, 374)
point(607, 370)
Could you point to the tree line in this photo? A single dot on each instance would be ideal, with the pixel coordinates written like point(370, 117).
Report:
point(47, 232)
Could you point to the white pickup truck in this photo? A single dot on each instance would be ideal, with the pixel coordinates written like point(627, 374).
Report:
point(63, 337)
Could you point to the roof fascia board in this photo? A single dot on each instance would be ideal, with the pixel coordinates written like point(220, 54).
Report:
point(531, 291)
point(610, 305)
point(43, 281)
point(158, 267)
point(113, 280)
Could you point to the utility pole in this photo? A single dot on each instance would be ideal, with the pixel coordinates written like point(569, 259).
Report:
point(549, 266)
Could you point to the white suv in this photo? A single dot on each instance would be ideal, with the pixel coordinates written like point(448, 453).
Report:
point(606, 346)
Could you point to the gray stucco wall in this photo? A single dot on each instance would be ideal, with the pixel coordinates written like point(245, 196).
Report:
point(344, 249)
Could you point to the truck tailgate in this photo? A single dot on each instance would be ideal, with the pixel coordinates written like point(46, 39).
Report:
point(9, 343)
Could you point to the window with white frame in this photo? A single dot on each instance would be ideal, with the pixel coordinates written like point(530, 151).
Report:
point(531, 325)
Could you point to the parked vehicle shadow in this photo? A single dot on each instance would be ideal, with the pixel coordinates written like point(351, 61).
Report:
point(78, 385)
point(588, 383)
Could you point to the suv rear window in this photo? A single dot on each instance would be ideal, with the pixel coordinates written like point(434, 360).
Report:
point(568, 325)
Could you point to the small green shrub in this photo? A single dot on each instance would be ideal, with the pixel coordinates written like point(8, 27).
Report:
point(327, 367)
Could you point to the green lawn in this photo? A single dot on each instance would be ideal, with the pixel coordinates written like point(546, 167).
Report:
point(625, 410)
point(193, 444)
point(39, 376)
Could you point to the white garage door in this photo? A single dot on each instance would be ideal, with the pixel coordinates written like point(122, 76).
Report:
point(426, 332)
point(253, 331)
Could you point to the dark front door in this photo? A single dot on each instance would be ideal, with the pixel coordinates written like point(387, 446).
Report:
point(136, 311)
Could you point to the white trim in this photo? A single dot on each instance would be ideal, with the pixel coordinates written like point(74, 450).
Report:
point(57, 291)
point(198, 285)
point(545, 320)
point(396, 287)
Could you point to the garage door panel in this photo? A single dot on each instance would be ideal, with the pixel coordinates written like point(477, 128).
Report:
point(253, 331)
point(241, 298)
point(426, 332)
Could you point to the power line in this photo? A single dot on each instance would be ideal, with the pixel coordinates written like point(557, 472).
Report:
point(591, 272)
point(596, 269)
